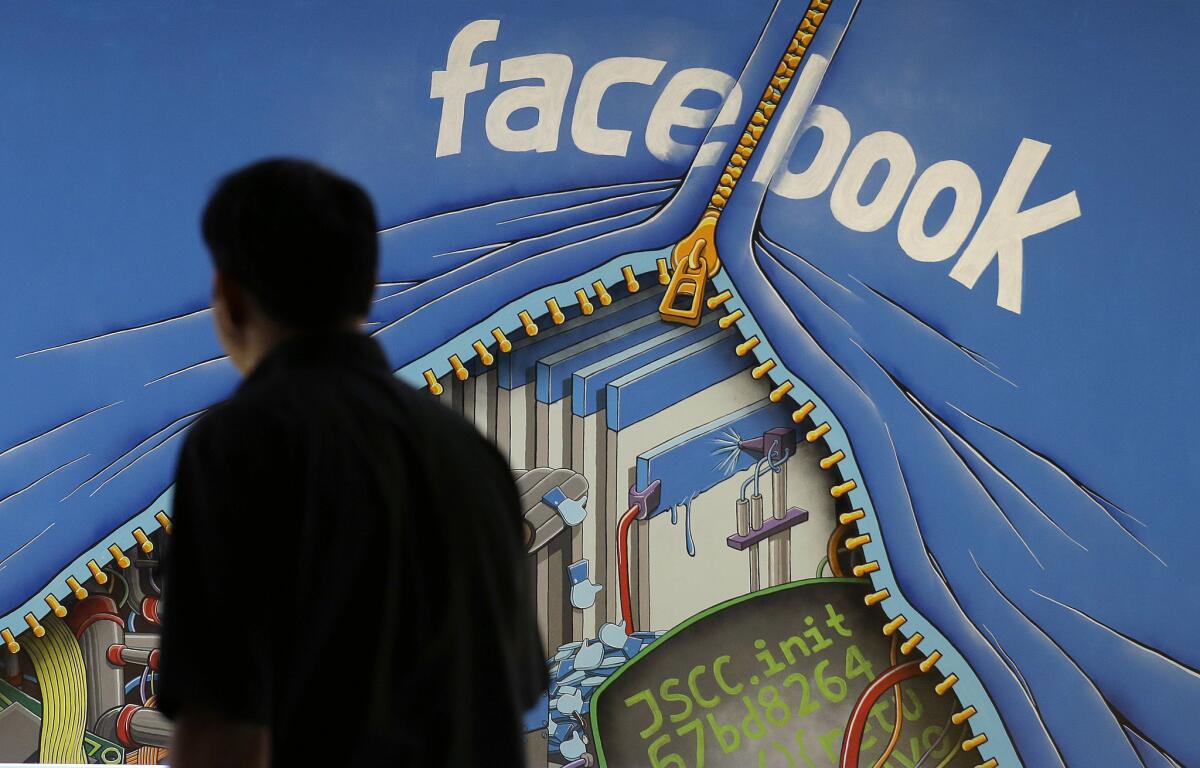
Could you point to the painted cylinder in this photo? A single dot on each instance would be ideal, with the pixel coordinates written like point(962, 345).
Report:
point(756, 521)
point(779, 546)
point(96, 623)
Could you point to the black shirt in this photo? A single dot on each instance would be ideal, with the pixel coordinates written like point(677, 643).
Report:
point(347, 568)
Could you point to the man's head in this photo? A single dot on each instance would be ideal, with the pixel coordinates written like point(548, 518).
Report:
point(295, 251)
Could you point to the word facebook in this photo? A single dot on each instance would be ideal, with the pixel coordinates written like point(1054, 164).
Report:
point(999, 237)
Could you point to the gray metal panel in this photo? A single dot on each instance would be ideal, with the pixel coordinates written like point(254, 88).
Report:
point(19, 729)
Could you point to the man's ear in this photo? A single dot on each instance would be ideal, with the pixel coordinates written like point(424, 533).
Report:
point(230, 306)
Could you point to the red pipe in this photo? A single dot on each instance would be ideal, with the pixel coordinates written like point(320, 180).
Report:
point(623, 565)
point(852, 741)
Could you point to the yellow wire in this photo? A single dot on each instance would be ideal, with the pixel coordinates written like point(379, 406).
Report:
point(58, 664)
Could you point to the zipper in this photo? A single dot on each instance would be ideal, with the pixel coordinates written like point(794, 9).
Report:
point(694, 259)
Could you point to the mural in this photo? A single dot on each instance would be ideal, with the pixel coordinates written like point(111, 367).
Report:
point(840, 350)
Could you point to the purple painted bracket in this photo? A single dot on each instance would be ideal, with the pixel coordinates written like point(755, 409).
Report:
point(770, 527)
point(646, 501)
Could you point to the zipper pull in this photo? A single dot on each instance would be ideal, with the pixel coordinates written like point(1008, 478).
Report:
point(694, 260)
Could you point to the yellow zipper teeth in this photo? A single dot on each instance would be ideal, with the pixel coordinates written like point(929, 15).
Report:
point(877, 597)
point(762, 370)
point(974, 742)
point(164, 521)
point(866, 568)
point(143, 540)
point(502, 342)
point(76, 588)
point(841, 489)
point(631, 283)
point(119, 559)
point(780, 392)
point(527, 323)
point(801, 413)
point(854, 542)
point(118, 556)
point(719, 299)
point(744, 348)
point(99, 575)
point(57, 608)
point(602, 294)
point(37, 629)
point(664, 276)
point(504, 345)
point(435, 387)
point(890, 628)
point(831, 461)
point(481, 351)
point(910, 645)
point(585, 306)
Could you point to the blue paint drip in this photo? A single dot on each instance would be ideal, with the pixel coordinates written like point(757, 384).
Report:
point(687, 526)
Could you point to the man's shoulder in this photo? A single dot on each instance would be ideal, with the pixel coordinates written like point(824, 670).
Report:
point(237, 422)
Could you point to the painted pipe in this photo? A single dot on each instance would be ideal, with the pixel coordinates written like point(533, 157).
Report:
point(779, 546)
point(95, 622)
point(756, 521)
point(135, 726)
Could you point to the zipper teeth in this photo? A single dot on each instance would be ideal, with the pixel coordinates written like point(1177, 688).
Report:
point(738, 159)
point(528, 322)
point(479, 350)
point(789, 63)
point(873, 567)
point(76, 578)
point(735, 316)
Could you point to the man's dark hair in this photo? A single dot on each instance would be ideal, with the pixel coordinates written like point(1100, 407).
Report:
point(298, 238)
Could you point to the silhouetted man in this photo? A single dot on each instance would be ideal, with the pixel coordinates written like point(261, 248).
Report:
point(346, 577)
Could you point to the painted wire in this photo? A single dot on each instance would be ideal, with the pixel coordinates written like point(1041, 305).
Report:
point(778, 467)
point(753, 479)
point(852, 741)
point(58, 663)
point(124, 583)
point(899, 718)
point(835, 540)
point(821, 567)
point(759, 470)
point(937, 742)
point(623, 527)
point(954, 750)
point(142, 685)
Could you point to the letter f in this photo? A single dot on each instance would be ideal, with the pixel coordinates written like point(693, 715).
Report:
point(459, 78)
